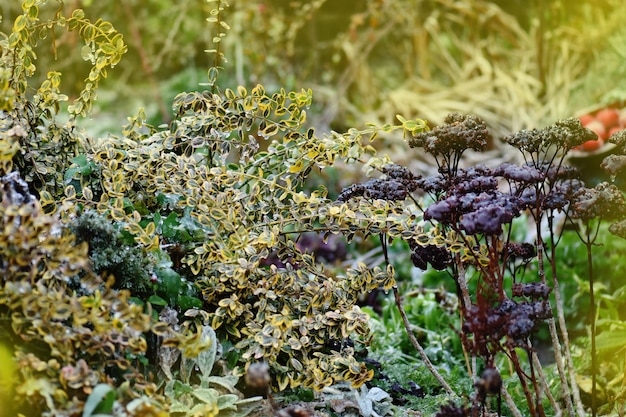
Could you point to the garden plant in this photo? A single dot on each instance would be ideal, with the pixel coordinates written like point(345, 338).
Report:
point(166, 271)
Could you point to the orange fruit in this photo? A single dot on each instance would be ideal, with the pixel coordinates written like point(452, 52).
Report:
point(591, 145)
point(609, 117)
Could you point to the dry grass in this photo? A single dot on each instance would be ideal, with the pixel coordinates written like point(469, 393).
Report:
point(429, 58)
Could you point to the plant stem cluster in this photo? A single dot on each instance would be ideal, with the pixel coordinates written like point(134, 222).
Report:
point(473, 210)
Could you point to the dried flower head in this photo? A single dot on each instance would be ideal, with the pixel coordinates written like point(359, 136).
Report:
point(397, 184)
point(401, 174)
point(564, 134)
point(532, 290)
point(613, 164)
point(561, 195)
point(377, 189)
point(434, 184)
point(524, 251)
point(437, 256)
point(605, 201)
point(486, 220)
point(619, 139)
point(524, 174)
point(459, 133)
point(618, 229)
point(452, 410)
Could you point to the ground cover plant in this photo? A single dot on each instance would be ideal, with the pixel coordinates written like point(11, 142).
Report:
point(145, 274)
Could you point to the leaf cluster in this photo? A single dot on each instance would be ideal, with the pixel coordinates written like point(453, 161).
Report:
point(75, 329)
point(242, 212)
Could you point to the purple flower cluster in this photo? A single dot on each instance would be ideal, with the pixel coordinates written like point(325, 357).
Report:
point(396, 185)
point(533, 290)
point(434, 184)
point(561, 195)
point(472, 201)
point(478, 213)
point(401, 174)
point(605, 201)
point(524, 251)
point(514, 320)
point(523, 174)
point(487, 220)
point(437, 256)
point(523, 318)
point(376, 189)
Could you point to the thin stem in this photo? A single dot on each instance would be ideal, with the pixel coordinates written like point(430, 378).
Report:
point(558, 358)
point(573, 385)
point(407, 326)
point(522, 379)
point(589, 239)
point(535, 382)
point(592, 313)
point(462, 283)
point(515, 412)
point(544, 385)
point(418, 347)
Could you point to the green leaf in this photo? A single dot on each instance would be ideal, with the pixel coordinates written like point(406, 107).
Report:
point(156, 300)
point(206, 395)
point(212, 75)
point(179, 407)
point(108, 48)
point(206, 359)
point(78, 14)
point(227, 382)
point(80, 160)
point(69, 175)
point(170, 282)
point(137, 300)
point(170, 225)
point(609, 341)
point(70, 191)
point(186, 302)
point(227, 402)
point(19, 24)
point(86, 53)
point(100, 400)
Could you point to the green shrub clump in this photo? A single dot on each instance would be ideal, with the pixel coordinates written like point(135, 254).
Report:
point(106, 238)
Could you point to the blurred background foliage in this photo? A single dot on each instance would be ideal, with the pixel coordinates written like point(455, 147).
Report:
point(516, 63)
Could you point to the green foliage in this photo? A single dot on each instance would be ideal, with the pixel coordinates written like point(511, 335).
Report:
point(214, 395)
point(181, 175)
point(103, 48)
point(100, 401)
point(611, 312)
point(69, 342)
point(203, 187)
point(434, 317)
point(35, 142)
point(109, 254)
point(434, 321)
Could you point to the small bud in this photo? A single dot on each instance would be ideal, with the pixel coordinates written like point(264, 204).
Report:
point(258, 375)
